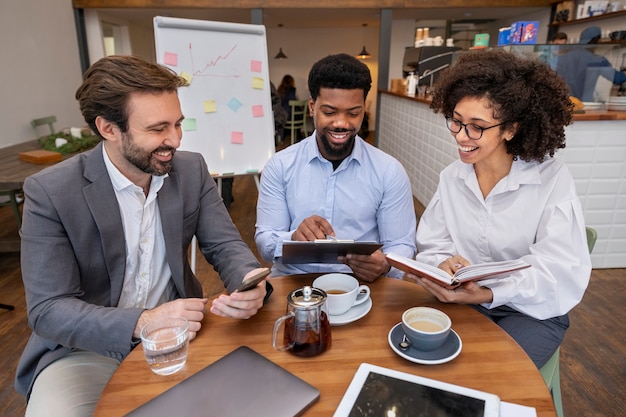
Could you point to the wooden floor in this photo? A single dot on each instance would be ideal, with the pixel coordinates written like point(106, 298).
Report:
point(593, 360)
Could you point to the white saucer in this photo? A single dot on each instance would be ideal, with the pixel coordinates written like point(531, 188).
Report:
point(355, 313)
point(448, 351)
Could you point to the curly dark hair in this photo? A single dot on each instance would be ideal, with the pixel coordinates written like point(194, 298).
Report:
point(523, 90)
point(109, 82)
point(339, 71)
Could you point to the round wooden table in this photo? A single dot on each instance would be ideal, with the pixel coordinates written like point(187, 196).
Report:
point(489, 361)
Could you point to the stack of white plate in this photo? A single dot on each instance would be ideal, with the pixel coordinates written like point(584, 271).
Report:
point(617, 103)
point(592, 105)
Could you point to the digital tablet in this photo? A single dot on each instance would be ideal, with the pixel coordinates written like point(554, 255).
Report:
point(378, 391)
point(324, 251)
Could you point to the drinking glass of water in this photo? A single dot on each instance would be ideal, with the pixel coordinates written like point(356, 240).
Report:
point(165, 343)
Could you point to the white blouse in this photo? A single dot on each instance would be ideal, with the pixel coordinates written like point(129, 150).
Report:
point(533, 213)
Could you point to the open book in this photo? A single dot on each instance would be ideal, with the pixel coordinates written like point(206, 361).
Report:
point(467, 273)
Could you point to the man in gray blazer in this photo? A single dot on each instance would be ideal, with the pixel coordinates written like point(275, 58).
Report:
point(105, 237)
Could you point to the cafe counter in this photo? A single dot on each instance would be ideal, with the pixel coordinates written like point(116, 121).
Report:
point(595, 154)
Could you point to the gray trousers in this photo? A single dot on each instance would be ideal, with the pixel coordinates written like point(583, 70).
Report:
point(71, 386)
point(538, 338)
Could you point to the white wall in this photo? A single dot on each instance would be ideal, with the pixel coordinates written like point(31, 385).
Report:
point(40, 67)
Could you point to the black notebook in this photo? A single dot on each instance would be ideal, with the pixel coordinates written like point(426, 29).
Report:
point(242, 383)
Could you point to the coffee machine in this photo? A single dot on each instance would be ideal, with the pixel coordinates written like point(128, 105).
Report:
point(426, 62)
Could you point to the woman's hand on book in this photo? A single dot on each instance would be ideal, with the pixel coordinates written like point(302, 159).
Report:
point(467, 293)
point(453, 264)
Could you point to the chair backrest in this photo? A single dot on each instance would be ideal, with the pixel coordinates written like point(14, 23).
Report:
point(592, 235)
point(48, 120)
point(299, 110)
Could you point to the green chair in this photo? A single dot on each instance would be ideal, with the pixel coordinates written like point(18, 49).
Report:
point(15, 199)
point(297, 121)
point(550, 371)
point(48, 120)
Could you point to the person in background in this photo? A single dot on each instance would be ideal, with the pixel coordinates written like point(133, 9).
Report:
point(507, 198)
point(580, 67)
point(550, 53)
point(287, 91)
point(333, 183)
point(105, 237)
point(559, 38)
point(280, 115)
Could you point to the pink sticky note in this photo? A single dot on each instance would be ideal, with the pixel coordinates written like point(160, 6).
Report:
point(170, 58)
point(236, 137)
point(257, 111)
point(255, 66)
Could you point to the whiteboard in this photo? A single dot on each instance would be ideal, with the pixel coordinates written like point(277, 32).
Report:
point(227, 102)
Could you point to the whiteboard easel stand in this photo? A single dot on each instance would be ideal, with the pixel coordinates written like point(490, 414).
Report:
point(194, 241)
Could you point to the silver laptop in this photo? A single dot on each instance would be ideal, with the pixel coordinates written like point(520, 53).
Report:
point(242, 383)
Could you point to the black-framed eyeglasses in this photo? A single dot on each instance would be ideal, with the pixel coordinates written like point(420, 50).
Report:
point(473, 131)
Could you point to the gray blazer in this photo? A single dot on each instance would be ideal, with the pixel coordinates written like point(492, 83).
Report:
point(73, 254)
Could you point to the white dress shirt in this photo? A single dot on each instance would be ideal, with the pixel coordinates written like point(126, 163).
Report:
point(147, 282)
point(533, 213)
point(367, 198)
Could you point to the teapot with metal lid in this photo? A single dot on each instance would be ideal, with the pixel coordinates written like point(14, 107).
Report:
point(307, 327)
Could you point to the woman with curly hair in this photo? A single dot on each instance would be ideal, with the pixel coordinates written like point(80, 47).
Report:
point(507, 198)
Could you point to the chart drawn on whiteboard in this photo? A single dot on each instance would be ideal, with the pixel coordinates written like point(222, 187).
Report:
point(227, 102)
point(204, 72)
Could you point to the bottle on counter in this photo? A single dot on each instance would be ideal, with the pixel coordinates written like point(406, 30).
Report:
point(411, 83)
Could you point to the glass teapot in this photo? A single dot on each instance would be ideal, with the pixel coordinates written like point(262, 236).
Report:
point(307, 327)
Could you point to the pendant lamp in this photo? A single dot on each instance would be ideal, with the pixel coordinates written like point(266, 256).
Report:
point(280, 54)
point(363, 54)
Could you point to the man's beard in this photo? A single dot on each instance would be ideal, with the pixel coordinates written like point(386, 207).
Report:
point(337, 153)
point(144, 160)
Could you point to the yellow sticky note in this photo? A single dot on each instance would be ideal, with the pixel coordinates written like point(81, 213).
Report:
point(188, 77)
point(209, 106)
point(257, 82)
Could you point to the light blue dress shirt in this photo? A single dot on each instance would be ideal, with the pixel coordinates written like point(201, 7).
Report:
point(367, 198)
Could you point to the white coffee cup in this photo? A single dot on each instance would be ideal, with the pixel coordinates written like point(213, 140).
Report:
point(343, 292)
point(438, 41)
point(428, 41)
point(450, 42)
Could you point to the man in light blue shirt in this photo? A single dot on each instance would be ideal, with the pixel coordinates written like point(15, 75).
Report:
point(335, 184)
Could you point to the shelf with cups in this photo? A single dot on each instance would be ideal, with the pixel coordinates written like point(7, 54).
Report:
point(620, 13)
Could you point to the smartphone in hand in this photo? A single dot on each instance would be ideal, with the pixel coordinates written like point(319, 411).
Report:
point(254, 280)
